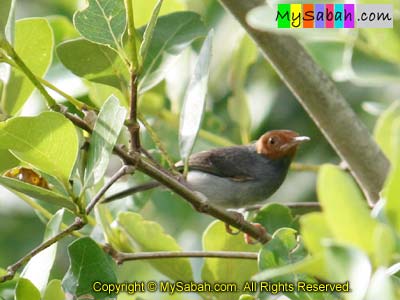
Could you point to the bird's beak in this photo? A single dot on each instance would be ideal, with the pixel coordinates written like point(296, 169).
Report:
point(294, 142)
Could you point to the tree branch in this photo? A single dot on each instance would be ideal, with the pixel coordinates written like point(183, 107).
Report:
point(322, 100)
point(11, 270)
point(121, 257)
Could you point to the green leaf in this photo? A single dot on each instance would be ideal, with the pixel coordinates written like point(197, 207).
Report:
point(314, 230)
point(384, 131)
point(150, 237)
point(345, 209)
point(215, 238)
point(37, 193)
point(274, 216)
point(7, 161)
point(195, 100)
point(144, 9)
point(312, 265)
point(392, 187)
point(54, 291)
point(148, 33)
point(6, 10)
point(25, 290)
point(49, 142)
point(172, 34)
point(102, 22)
point(383, 235)
point(284, 249)
point(245, 55)
point(88, 264)
point(94, 62)
point(62, 28)
point(38, 268)
point(373, 38)
point(105, 134)
point(349, 264)
point(34, 44)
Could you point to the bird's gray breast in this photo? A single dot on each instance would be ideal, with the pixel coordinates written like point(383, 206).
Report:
point(231, 193)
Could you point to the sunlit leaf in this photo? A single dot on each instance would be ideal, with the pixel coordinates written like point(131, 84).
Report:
point(345, 209)
point(314, 230)
point(384, 132)
point(37, 192)
point(392, 187)
point(6, 10)
point(54, 291)
point(143, 9)
point(48, 142)
point(139, 230)
point(195, 99)
point(105, 134)
point(25, 290)
point(215, 238)
point(102, 22)
point(88, 264)
point(172, 34)
point(34, 44)
point(38, 268)
point(7, 161)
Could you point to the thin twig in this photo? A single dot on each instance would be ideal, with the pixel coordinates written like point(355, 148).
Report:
point(133, 125)
point(296, 206)
point(121, 172)
point(121, 257)
point(133, 190)
point(42, 211)
point(299, 167)
point(11, 270)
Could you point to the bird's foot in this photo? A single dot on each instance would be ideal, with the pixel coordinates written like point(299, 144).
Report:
point(240, 219)
point(249, 240)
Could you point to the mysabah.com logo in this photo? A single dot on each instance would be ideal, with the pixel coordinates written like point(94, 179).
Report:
point(334, 16)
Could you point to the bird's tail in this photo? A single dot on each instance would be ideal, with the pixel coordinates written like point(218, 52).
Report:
point(133, 190)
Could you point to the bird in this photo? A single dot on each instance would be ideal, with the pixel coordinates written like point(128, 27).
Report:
point(238, 176)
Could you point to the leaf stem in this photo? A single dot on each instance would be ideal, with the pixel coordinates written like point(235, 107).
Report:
point(51, 103)
point(11, 270)
point(121, 172)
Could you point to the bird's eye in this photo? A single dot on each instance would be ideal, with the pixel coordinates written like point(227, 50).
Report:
point(272, 140)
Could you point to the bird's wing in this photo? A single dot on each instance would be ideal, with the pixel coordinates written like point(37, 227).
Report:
point(231, 162)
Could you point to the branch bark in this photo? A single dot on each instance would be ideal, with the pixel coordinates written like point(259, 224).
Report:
point(322, 100)
point(121, 257)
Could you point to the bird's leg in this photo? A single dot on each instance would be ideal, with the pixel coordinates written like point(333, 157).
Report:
point(240, 218)
point(249, 240)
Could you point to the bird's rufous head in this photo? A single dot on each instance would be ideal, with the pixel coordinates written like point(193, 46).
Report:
point(276, 144)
